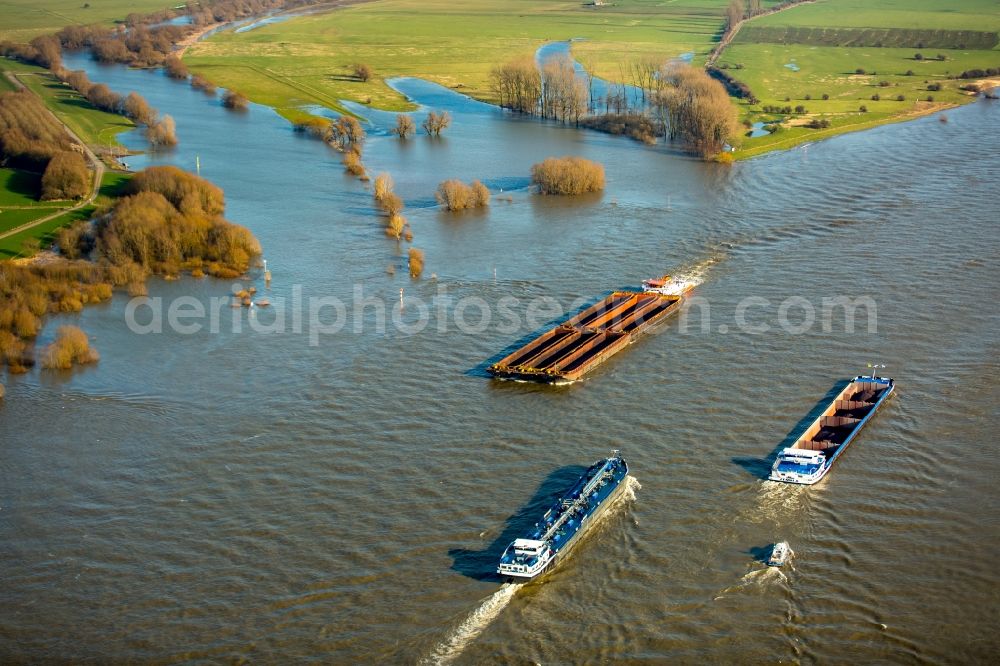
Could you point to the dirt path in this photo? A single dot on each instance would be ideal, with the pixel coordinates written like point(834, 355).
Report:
point(96, 164)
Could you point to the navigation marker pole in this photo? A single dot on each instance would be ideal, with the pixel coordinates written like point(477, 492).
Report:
point(197, 166)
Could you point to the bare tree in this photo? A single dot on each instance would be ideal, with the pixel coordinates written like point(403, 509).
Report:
point(517, 85)
point(734, 13)
point(697, 109)
point(436, 122)
point(362, 72)
point(404, 126)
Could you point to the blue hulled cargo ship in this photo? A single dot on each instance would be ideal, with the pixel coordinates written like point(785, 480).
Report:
point(562, 525)
point(813, 454)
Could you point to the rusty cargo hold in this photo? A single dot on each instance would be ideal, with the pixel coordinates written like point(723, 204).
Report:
point(575, 347)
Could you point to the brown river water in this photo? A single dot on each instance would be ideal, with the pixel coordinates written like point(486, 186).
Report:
point(293, 494)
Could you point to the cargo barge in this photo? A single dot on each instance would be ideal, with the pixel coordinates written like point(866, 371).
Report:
point(573, 348)
point(814, 453)
point(551, 539)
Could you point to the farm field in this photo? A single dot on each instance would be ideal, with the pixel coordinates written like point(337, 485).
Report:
point(852, 51)
point(22, 20)
point(308, 60)
point(910, 14)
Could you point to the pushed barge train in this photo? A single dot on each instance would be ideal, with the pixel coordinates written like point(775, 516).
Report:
point(552, 538)
point(814, 453)
point(579, 344)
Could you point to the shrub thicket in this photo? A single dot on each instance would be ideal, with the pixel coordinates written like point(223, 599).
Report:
point(175, 68)
point(456, 195)
point(29, 135)
point(27, 293)
point(416, 262)
point(70, 347)
point(568, 175)
point(66, 177)
point(199, 82)
point(362, 72)
point(172, 221)
point(635, 125)
point(697, 109)
point(352, 162)
point(234, 100)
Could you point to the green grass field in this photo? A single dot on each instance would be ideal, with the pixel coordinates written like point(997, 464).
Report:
point(13, 218)
point(28, 242)
point(801, 36)
point(25, 244)
point(910, 14)
point(307, 60)
point(19, 188)
point(21, 20)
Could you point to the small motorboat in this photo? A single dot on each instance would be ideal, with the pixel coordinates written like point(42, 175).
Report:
point(779, 554)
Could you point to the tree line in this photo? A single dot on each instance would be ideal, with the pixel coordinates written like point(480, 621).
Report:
point(677, 101)
point(31, 139)
point(160, 130)
point(554, 91)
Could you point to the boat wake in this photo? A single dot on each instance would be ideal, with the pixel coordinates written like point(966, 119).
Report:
point(697, 273)
point(628, 495)
point(755, 579)
point(777, 499)
point(450, 648)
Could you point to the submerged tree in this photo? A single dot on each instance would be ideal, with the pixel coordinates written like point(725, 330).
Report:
point(697, 109)
point(436, 122)
point(517, 85)
point(416, 262)
point(567, 175)
point(235, 101)
point(456, 195)
point(404, 126)
point(71, 347)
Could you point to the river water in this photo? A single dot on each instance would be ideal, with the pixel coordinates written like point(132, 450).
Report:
point(251, 495)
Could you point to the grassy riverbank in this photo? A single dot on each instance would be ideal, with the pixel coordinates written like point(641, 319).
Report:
point(853, 50)
point(309, 60)
point(22, 20)
point(20, 190)
point(99, 129)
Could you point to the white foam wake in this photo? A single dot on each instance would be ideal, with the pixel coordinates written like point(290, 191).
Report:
point(755, 578)
point(448, 649)
point(697, 273)
point(775, 499)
